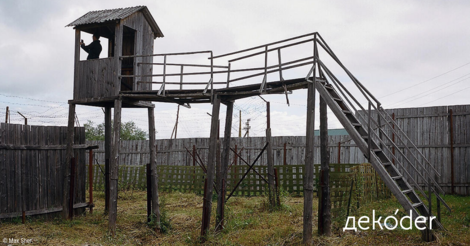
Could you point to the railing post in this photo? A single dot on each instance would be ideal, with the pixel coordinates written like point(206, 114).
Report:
point(212, 75)
point(379, 125)
point(369, 135)
point(162, 88)
point(393, 137)
point(280, 66)
point(228, 75)
point(181, 78)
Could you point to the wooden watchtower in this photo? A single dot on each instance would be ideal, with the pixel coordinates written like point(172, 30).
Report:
point(130, 33)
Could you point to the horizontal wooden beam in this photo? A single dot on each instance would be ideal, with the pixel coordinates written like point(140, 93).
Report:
point(46, 147)
point(41, 211)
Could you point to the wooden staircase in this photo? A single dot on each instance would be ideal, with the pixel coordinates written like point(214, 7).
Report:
point(376, 149)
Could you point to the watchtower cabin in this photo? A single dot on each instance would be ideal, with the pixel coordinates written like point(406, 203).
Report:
point(129, 32)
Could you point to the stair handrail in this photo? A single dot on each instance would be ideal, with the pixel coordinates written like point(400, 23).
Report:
point(336, 82)
point(367, 94)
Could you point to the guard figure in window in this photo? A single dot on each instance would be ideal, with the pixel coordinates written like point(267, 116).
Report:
point(93, 49)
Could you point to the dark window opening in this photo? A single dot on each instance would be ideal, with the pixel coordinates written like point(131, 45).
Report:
point(127, 67)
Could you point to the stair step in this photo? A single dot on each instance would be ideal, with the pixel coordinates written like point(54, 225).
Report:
point(407, 191)
point(417, 204)
point(377, 150)
point(337, 99)
point(329, 86)
point(365, 136)
point(387, 163)
point(356, 124)
point(397, 177)
point(346, 111)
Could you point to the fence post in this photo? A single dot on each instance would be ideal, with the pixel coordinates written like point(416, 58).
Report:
point(284, 161)
point(72, 187)
point(451, 135)
point(194, 165)
point(149, 194)
point(277, 187)
point(339, 152)
point(90, 178)
point(107, 155)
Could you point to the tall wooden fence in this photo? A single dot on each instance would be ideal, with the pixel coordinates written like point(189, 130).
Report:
point(32, 160)
point(442, 134)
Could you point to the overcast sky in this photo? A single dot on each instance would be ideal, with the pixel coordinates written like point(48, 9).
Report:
point(407, 53)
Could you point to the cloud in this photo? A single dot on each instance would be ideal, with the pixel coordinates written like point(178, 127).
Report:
point(387, 45)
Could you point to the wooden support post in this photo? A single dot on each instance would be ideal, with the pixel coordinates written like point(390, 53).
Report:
point(224, 167)
point(308, 170)
point(427, 233)
point(324, 206)
point(107, 155)
point(72, 187)
point(153, 169)
point(90, 179)
point(118, 34)
point(272, 188)
point(207, 204)
point(114, 167)
point(149, 193)
point(69, 156)
point(218, 172)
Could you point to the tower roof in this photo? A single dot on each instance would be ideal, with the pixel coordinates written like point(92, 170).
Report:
point(101, 16)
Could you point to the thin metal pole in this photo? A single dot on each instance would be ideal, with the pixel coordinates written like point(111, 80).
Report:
point(280, 66)
point(240, 124)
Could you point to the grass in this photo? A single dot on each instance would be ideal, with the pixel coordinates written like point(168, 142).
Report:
point(249, 221)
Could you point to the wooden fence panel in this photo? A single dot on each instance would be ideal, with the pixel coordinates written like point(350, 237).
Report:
point(31, 179)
